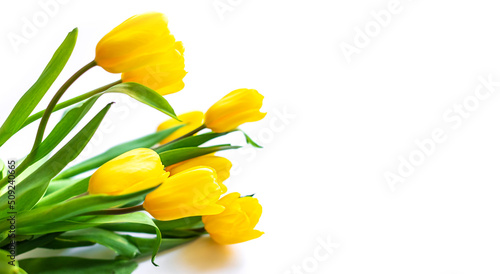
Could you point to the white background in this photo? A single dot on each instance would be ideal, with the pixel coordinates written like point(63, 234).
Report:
point(349, 120)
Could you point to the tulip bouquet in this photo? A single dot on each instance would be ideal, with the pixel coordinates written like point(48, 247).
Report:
point(138, 198)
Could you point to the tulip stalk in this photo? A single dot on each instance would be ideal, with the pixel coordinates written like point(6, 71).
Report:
point(117, 211)
point(191, 133)
point(55, 99)
point(70, 102)
point(48, 111)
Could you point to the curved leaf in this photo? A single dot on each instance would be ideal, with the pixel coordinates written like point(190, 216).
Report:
point(191, 141)
point(146, 246)
point(109, 239)
point(97, 161)
point(31, 190)
point(144, 95)
point(74, 265)
point(181, 154)
point(3, 170)
point(32, 97)
point(71, 208)
point(81, 222)
point(70, 119)
point(77, 188)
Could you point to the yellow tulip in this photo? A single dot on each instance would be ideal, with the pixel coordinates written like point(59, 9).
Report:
point(191, 120)
point(236, 224)
point(192, 192)
point(238, 107)
point(220, 164)
point(141, 40)
point(132, 171)
point(165, 78)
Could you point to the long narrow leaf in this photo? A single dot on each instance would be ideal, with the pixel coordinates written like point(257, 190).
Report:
point(181, 154)
point(191, 141)
point(65, 243)
point(31, 189)
point(146, 246)
point(144, 95)
point(109, 239)
point(75, 265)
point(65, 193)
point(32, 97)
point(95, 162)
point(75, 207)
point(70, 119)
point(80, 222)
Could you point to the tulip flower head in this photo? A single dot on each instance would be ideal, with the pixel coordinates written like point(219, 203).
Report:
point(142, 40)
point(190, 120)
point(132, 171)
point(221, 166)
point(236, 108)
point(166, 77)
point(236, 224)
point(192, 192)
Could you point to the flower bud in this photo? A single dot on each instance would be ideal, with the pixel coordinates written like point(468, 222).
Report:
point(236, 108)
point(221, 166)
point(132, 171)
point(192, 192)
point(165, 77)
point(237, 222)
point(140, 41)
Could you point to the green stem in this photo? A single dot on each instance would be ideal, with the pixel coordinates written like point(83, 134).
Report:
point(192, 132)
point(70, 102)
point(53, 103)
point(45, 118)
point(25, 164)
point(116, 211)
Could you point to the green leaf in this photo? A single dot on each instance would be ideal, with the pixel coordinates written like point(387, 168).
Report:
point(74, 265)
point(70, 119)
point(191, 141)
point(3, 170)
point(29, 245)
point(71, 208)
point(32, 97)
point(249, 140)
point(81, 222)
point(56, 185)
point(77, 188)
point(97, 161)
point(30, 190)
point(181, 154)
point(6, 267)
point(146, 246)
point(63, 243)
point(181, 228)
point(109, 239)
point(144, 95)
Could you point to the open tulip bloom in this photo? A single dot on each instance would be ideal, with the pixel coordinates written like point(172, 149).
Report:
point(166, 183)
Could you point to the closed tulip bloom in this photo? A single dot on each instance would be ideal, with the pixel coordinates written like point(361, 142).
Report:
point(236, 108)
point(221, 166)
point(192, 192)
point(139, 41)
point(166, 77)
point(190, 120)
point(236, 224)
point(132, 171)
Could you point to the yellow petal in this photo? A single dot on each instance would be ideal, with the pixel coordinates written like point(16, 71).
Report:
point(191, 120)
point(238, 107)
point(193, 192)
point(125, 171)
point(139, 41)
